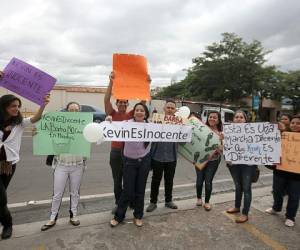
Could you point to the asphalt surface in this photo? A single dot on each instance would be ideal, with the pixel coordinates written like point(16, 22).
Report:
point(189, 227)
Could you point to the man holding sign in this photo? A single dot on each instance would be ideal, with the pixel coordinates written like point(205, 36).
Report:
point(115, 159)
point(116, 77)
point(164, 160)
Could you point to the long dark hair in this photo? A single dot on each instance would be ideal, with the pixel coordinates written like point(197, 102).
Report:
point(219, 125)
point(287, 115)
point(146, 143)
point(5, 120)
point(145, 108)
point(72, 102)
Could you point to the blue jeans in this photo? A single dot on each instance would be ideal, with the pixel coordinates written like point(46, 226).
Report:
point(206, 174)
point(283, 183)
point(135, 174)
point(242, 177)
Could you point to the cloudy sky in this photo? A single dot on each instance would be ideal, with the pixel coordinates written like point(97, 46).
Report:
point(74, 40)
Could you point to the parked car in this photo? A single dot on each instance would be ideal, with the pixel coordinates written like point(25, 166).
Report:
point(226, 114)
point(98, 114)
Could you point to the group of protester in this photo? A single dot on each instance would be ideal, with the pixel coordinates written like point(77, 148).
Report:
point(131, 163)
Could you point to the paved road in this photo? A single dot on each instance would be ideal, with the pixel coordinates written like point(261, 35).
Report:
point(33, 179)
point(189, 227)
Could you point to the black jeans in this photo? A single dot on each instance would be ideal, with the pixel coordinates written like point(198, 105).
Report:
point(282, 185)
point(160, 168)
point(242, 177)
point(206, 174)
point(116, 164)
point(135, 174)
point(5, 216)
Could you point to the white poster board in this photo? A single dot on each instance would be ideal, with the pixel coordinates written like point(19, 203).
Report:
point(252, 143)
point(140, 131)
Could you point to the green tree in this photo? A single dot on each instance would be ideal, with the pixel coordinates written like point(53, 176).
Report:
point(291, 88)
point(230, 69)
point(176, 90)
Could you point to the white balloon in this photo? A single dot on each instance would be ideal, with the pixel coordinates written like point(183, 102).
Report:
point(183, 112)
point(93, 132)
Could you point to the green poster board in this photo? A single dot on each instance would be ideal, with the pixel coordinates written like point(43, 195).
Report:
point(61, 133)
point(203, 145)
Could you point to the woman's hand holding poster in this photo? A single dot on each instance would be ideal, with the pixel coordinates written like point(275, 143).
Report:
point(203, 145)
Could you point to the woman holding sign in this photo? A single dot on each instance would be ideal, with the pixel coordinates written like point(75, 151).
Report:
point(67, 166)
point(208, 172)
point(242, 175)
point(12, 125)
point(287, 183)
point(136, 167)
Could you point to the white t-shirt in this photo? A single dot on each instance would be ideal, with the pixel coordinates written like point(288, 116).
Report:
point(13, 142)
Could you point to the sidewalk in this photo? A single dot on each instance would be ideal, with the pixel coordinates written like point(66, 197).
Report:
point(189, 227)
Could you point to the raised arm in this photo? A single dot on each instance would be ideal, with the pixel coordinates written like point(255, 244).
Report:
point(107, 104)
point(39, 113)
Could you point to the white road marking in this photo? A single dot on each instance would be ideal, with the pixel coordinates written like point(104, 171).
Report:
point(96, 196)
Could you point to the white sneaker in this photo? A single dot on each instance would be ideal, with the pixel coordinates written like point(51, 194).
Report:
point(74, 221)
point(271, 211)
point(289, 223)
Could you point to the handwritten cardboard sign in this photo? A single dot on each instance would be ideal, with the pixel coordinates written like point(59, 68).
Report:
point(203, 145)
point(131, 77)
point(290, 152)
point(61, 133)
point(27, 81)
point(168, 119)
point(252, 143)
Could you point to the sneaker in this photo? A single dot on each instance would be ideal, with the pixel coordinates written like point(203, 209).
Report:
point(6, 232)
point(271, 211)
point(171, 205)
point(151, 207)
point(49, 224)
point(75, 221)
point(289, 223)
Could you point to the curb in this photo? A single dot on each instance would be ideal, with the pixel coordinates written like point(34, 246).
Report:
point(94, 219)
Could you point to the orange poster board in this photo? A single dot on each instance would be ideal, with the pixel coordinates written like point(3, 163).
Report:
point(131, 77)
point(290, 152)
